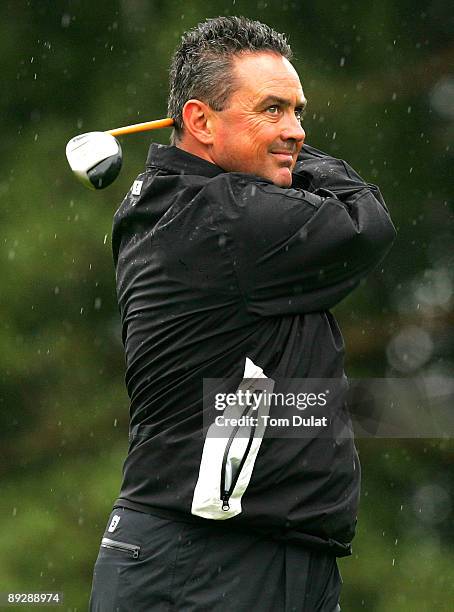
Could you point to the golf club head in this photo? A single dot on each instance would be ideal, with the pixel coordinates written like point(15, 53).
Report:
point(95, 158)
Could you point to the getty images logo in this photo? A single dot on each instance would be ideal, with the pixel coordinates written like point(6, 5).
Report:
point(114, 523)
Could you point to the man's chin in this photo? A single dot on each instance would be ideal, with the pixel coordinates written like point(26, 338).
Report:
point(283, 178)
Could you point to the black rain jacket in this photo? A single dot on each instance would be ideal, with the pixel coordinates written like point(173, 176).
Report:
point(224, 275)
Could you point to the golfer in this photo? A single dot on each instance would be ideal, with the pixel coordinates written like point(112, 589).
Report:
point(230, 250)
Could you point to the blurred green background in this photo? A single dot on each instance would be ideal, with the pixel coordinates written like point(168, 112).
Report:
point(379, 78)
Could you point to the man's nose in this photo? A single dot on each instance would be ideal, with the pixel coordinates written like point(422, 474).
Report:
point(293, 130)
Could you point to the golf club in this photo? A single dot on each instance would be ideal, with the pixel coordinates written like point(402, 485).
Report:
point(96, 157)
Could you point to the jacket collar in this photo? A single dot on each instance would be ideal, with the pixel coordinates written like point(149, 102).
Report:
point(177, 161)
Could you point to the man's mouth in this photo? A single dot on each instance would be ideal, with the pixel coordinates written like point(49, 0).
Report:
point(283, 156)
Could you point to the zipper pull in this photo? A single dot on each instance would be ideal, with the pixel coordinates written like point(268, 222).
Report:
point(225, 502)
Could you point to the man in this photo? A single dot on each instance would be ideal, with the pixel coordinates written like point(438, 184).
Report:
point(230, 249)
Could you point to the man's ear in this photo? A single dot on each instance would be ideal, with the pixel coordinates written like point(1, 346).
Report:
point(197, 120)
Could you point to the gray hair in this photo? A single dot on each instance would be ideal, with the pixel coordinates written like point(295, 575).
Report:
point(202, 64)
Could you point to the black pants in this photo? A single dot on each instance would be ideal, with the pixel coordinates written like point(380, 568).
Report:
point(146, 563)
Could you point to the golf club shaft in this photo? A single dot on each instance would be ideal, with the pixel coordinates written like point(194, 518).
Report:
point(141, 127)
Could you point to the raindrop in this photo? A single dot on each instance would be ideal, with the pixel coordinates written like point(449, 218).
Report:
point(303, 234)
point(442, 97)
point(432, 503)
point(410, 349)
point(434, 289)
point(438, 383)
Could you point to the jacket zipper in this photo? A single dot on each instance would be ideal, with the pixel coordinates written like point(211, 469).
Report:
point(225, 494)
point(116, 545)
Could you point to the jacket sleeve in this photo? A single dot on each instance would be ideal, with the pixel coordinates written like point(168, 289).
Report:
point(297, 251)
point(317, 171)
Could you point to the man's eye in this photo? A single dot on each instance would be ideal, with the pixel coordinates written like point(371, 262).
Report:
point(273, 110)
point(299, 113)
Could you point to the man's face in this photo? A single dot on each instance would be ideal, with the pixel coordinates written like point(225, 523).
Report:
point(260, 130)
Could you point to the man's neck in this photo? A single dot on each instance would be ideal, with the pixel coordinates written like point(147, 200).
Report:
point(192, 146)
